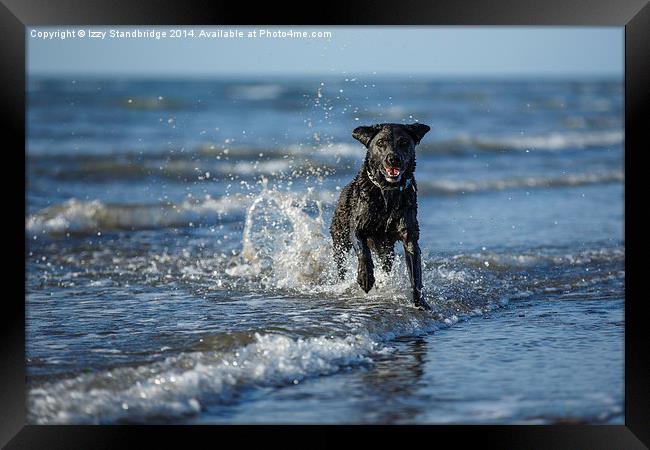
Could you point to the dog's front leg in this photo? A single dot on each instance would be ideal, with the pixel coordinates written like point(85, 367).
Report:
point(365, 268)
point(414, 265)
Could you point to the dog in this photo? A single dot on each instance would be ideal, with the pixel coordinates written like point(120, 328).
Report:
point(379, 206)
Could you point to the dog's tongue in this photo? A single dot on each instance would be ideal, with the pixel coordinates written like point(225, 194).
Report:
point(392, 171)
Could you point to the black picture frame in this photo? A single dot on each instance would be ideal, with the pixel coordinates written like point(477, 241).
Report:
point(634, 15)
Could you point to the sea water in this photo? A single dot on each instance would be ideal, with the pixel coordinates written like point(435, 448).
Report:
point(179, 263)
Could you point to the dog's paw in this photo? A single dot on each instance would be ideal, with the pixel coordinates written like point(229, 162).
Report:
point(421, 303)
point(365, 278)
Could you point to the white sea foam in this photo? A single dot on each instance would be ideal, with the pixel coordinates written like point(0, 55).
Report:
point(176, 386)
point(550, 141)
point(502, 261)
point(77, 216)
point(180, 385)
point(532, 182)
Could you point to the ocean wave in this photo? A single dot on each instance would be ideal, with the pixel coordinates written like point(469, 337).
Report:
point(553, 141)
point(220, 160)
point(555, 257)
point(255, 92)
point(151, 103)
point(322, 153)
point(286, 249)
point(450, 187)
point(178, 386)
point(76, 216)
point(183, 169)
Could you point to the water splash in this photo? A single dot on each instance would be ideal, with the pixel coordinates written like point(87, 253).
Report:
point(284, 241)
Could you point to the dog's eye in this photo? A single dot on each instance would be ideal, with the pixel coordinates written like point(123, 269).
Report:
point(381, 142)
point(402, 142)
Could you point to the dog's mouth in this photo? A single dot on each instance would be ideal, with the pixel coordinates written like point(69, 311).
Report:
point(392, 174)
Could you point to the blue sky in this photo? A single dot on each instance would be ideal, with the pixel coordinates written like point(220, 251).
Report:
point(418, 51)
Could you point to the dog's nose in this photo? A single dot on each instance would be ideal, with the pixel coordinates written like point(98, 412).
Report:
point(393, 160)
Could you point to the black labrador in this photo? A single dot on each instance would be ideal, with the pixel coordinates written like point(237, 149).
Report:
point(379, 207)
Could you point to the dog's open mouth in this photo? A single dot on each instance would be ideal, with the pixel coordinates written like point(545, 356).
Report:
point(392, 173)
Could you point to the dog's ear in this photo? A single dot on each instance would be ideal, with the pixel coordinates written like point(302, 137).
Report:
point(365, 134)
point(417, 131)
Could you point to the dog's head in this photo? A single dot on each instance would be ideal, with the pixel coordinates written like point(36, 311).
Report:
point(391, 149)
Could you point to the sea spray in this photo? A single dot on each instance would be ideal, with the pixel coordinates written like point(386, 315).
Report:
point(285, 243)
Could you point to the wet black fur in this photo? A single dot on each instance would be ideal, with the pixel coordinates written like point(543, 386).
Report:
point(372, 218)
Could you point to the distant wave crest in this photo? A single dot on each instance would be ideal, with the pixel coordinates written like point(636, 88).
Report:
point(77, 216)
point(541, 142)
point(451, 187)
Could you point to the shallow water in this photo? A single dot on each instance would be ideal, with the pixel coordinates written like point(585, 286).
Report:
point(508, 366)
point(179, 270)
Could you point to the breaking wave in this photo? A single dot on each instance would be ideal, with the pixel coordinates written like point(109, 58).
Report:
point(76, 216)
point(179, 386)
